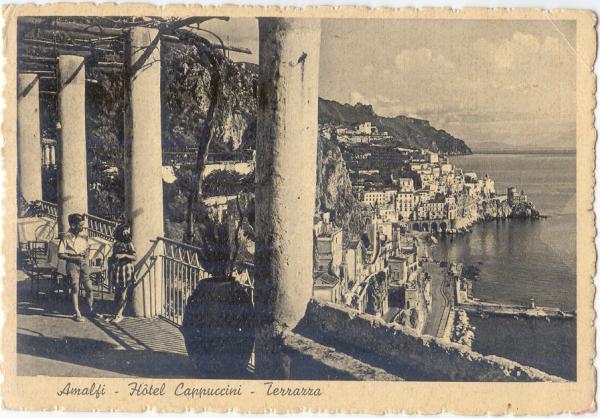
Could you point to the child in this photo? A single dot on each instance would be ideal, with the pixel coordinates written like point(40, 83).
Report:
point(73, 248)
point(122, 268)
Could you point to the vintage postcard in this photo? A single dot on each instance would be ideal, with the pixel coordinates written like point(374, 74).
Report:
point(263, 209)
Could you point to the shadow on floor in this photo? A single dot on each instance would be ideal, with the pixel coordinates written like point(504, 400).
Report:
point(105, 356)
point(137, 346)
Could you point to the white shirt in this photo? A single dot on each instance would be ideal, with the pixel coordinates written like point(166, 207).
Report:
point(71, 244)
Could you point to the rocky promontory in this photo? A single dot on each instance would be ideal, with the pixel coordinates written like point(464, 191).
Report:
point(495, 209)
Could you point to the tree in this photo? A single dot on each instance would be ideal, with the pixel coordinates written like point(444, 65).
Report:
point(414, 318)
point(227, 183)
point(377, 293)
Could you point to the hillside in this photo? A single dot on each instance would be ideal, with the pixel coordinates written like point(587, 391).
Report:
point(409, 132)
point(334, 190)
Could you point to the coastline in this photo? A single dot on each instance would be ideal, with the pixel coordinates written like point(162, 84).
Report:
point(519, 260)
point(524, 152)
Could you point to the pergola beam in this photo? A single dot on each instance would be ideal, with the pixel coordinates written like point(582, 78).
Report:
point(51, 60)
point(49, 51)
point(40, 42)
point(28, 71)
point(24, 68)
point(175, 39)
point(44, 23)
point(193, 20)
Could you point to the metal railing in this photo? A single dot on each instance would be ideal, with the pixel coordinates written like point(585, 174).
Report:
point(171, 271)
point(101, 228)
point(97, 227)
point(182, 271)
point(43, 208)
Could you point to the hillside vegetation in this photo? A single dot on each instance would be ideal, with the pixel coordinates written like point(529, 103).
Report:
point(408, 132)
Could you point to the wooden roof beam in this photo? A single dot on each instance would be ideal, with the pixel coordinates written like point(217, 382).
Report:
point(37, 59)
point(39, 42)
point(44, 23)
point(175, 39)
point(193, 20)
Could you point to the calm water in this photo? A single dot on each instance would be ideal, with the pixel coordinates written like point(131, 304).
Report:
point(520, 259)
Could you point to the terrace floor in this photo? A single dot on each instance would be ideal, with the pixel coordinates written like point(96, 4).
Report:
point(51, 343)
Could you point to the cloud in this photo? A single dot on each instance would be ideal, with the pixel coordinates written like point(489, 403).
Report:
point(356, 97)
point(385, 100)
point(421, 59)
point(491, 80)
point(410, 59)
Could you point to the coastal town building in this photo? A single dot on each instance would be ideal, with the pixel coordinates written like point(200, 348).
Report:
point(354, 257)
point(514, 197)
point(405, 204)
point(374, 197)
point(327, 287)
point(406, 185)
point(366, 128)
point(404, 193)
point(328, 246)
point(411, 295)
point(362, 133)
point(403, 265)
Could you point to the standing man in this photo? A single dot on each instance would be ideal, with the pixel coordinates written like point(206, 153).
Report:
point(73, 248)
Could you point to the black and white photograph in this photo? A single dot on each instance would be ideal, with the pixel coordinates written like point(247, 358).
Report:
point(297, 199)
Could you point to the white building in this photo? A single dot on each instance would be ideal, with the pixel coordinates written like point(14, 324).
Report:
point(374, 197)
point(366, 128)
point(406, 184)
point(405, 204)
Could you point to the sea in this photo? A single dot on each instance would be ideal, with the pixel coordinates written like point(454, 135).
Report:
point(521, 259)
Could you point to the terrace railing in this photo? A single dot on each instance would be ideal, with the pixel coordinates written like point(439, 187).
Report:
point(101, 228)
point(42, 208)
point(182, 270)
point(51, 209)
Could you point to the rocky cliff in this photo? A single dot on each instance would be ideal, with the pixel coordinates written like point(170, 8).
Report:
point(502, 210)
point(495, 210)
point(334, 189)
point(407, 132)
point(186, 93)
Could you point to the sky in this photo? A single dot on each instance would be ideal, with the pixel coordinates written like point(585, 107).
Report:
point(511, 82)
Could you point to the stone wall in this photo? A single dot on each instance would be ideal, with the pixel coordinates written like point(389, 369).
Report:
point(400, 351)
point(309, 360)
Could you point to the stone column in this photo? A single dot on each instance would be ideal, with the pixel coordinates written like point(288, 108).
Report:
point(46, 155)
point(286, 157)
point(72, 183)
point(143, 162)
point(52, 155)
point(28, 137)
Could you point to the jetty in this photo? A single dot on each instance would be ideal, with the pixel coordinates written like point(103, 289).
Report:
point(499, 309)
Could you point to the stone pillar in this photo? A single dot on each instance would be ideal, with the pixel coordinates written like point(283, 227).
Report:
point(143, 162)
point(286, 157)
point(46, 155)
point(72, 175)
point(28, 137)
point(52, 155)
